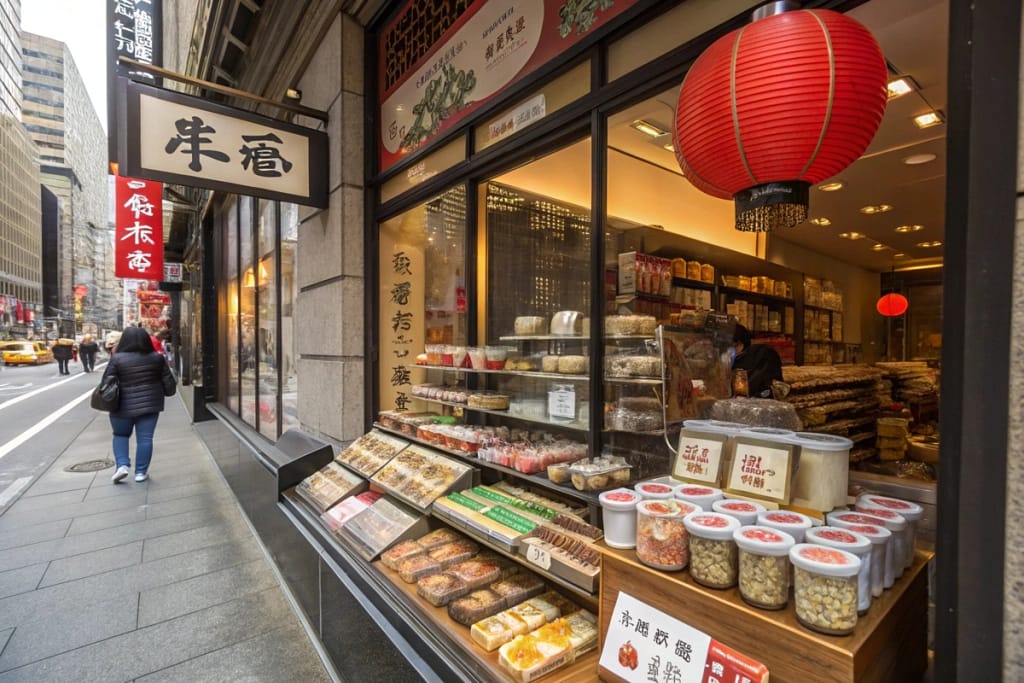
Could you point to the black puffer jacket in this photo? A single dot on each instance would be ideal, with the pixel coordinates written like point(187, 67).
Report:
point(144, 379)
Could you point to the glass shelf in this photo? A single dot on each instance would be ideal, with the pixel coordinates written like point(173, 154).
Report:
point(513, 373)
point(691, 284)
point(544, 337)
point(641, 381)
point(574, 425)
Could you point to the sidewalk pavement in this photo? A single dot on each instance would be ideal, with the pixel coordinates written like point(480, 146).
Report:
point(150, 582)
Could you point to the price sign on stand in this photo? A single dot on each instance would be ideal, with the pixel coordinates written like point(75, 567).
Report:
point(645, 644)
point(762, 469)
point(699, 457)
point(538, 556)
point(562, 403)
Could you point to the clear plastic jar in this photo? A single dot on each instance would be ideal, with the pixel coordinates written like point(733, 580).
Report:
point(854, 543)
point(619, 511)
point(661, 536)
point(894, 548)
point(701, 496)
point(714, 558)
point(745, 511)
point(826, 588)
point(886, 507)
point(763, 566)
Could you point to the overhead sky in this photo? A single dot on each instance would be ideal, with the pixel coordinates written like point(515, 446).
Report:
point(79, 24)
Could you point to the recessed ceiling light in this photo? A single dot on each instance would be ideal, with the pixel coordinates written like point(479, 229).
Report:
point(831, 187)
point(879, 247)
point(929, 119)
point(852, 235)
point(900, 86)
point(900, 255)
point(823, 222)
point(909, 228)
point(878, 208)
point(917, 159)
point(647, 128)
point(928, 245)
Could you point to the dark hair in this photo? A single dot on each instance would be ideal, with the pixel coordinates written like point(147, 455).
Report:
point(742, 336)
point(135, 339)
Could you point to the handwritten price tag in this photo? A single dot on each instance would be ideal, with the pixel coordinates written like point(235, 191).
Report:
point(699, 457)
point(538, 556)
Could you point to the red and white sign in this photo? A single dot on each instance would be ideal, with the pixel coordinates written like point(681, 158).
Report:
point(494, 44)
point(139, 229)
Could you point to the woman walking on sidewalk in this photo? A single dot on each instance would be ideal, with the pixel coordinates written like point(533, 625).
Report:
point(144, 379)
point(63, 349)
point(87, 352)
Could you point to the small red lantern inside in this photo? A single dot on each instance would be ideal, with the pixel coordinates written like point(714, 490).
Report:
point(776, 106)
point(892, 305)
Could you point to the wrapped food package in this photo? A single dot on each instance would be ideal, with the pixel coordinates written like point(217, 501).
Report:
point(417, 567)
point(493, 632)
point(757, 412)
point(392, 559)
point(519, 587)
point(478, 605)
point(453, 553)
point(477, 572)
point(440, 589)
point(439, 537)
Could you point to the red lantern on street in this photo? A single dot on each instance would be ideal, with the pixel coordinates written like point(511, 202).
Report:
point(776, 106)
point(892, 305)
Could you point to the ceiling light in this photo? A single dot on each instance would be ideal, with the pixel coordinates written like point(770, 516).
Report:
point(852, 235)
point(900, 86)
point(648, 128)
point(823, 222)
point(932, 118)
point(900, 255)
point(878, 208)
point(670, 147)
point(831, 187)
point(909, 228)
point(879, 247)
point(917, 159)
point(928, 245)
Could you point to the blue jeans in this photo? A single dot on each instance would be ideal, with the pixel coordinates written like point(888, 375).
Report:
point(144, 426)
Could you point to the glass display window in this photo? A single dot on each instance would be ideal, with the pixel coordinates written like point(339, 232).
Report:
point(267, 363)
point(289, 292)
point(247, 357)
point(231, 384)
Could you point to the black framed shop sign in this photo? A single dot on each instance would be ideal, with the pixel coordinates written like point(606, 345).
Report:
point(182, 139)
point(135, 29)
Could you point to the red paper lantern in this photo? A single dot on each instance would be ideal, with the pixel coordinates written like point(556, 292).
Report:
point(776, 106)
point(892, 305)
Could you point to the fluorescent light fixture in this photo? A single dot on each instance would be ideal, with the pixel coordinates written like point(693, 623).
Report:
point(901, 86)
point(929, 245)
point(877, 208)
point(909, 228)
point(648, 128)
point(831, 187)
point(929, 119)
point(918, 159)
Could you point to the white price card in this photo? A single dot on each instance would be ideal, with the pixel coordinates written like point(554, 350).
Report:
point(762, 469)
point(562, 404)
point(538, 556)
point(699, 457)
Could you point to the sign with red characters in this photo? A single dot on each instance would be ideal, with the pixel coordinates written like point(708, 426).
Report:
point(139, 229)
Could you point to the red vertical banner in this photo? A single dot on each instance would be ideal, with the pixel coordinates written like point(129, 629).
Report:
point(139, 229)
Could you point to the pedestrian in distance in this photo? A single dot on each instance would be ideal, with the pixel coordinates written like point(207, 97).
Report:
point(87, 351)
point(63, 349)
point(144, 379)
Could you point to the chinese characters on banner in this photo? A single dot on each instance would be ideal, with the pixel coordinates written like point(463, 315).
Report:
point(134, 30)
point(139, 229)
point(645, 644)
point(402, 269)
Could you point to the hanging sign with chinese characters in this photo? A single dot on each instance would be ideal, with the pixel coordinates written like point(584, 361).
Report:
point(139, 229)
point(762, 469)
point(134, 30)
point(645, 644)
point(177, 138)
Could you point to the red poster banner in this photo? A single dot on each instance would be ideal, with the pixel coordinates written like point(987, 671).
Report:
point(139, 229)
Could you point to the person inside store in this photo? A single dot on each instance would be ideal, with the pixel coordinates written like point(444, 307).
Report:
point(87, 350)
point(760, 362)
point(144, 379)
point(63, 349)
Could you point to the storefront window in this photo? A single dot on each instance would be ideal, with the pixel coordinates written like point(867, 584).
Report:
point(230, 241)
point(422, 291)
point(266, 337)
point(289, 293)
point(247, 311)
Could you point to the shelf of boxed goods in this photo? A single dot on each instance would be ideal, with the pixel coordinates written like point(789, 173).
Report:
point(756, 296)
point(537, 374)
point(574, 425)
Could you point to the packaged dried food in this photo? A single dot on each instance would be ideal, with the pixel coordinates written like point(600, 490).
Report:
point(534, 612)
point(325, 488)
point(693, 270)
point(393, 558)
point(487, 401)
point(632, 365)
point(821, 481)
point(854, 543)
point(554, 599)
point(764, 565)
point(880, 538)
point(743, 510)
point(348, 508)
point(894, 522)
point(701, 496)
point(661, 536)
point(825, 591)
point(493, 632)
point(757, 411)
point(496, 357)
point(713, 554)
point(582, 629)
point(619, 507)
point(440, 589)
point(793, 523)
point(414, 568)
point(373, 450)
point(851, 520)
point(679, 268)
point(630, 325)
point(559, 472)
point(527, 325)
point(518, 587)
point(379, 526)
point(549, 364)
point(707, 273)
point(477, 357)
point(572, 365)
point(478, 605)
point(439, 537)
point(911, 512)
point(452, 553)
point(476, 572)
point(652, 490)
point(527, 657)
point(598, 474)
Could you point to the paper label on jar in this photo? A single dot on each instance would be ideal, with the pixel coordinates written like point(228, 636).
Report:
point(762, 469)
point(699, 457)
point(538, 556)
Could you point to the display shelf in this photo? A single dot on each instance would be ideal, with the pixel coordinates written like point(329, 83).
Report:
point(544, 337)
point(643, 381)
point(756, 296)
point(692, 284)
point(822, 308)
point(512, 373)
point(574, 425)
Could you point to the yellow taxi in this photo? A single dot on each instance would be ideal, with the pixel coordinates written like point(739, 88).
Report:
point(25, 353)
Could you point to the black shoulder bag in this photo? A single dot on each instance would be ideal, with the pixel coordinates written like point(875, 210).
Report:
point(107, 396)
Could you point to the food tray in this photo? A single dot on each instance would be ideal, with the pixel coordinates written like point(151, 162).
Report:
point(380, 526)
point(420, 476)
point(477, 605)
point(370, 452)
point(334, 518)
point(325, 488)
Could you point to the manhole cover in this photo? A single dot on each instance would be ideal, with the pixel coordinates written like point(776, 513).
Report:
point(90, 466)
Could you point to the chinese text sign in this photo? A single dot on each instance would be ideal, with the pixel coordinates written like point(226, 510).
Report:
point(134, 30)
point(139, 229)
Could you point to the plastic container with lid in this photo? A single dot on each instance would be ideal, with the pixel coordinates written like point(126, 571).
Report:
point(743, 510)
point(764, 565)
point(653, 490)
point(902, 535)
point(880, 538)
point(821, 480)
point(701, 496)
point(851, 542)
point(713, 554)
point(793, 523)
point(826, 588)
point(619, 510)
point(661, 536)
point(477, 357)
point(910, 512)
point(845, 520)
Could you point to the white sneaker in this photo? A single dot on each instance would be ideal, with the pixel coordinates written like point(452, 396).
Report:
point(119, 474)
point(141, 476)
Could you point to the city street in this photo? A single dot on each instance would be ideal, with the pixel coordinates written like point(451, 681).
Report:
point(41, 413)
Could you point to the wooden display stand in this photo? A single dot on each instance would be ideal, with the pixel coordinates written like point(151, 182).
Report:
point(889, 644)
